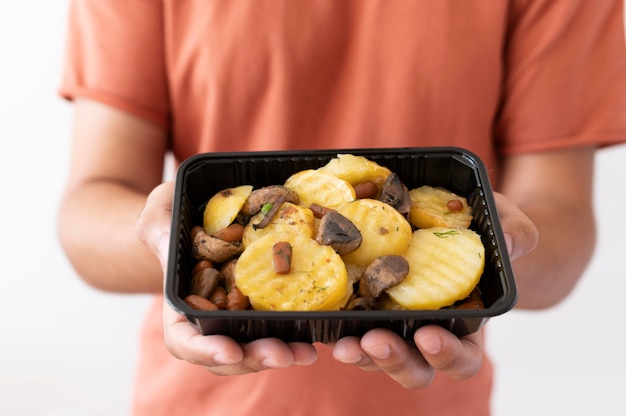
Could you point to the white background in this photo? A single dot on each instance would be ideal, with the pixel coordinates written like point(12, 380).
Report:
point(66, 349)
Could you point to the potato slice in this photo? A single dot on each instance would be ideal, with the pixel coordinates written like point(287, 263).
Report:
point(289, 218)
point(384, 230)
point(430, 208)
point(313, 186)
point(356, 169)
point(318, 279)
point(223, 207)
point(445, 266)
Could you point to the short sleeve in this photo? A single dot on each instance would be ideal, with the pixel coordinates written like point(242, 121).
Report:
point(565, 80)
point(115, 54)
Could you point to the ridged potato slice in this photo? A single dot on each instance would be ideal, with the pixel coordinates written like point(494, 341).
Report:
point(223, 207)
point(445, 265)
point(289, 218)
point(317, 281)
point(384, 230)
point(430, 208)
point(314, 186)
point(356, 169)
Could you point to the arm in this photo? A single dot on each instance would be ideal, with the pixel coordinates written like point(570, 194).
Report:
point(117, 159)
point(555, 190)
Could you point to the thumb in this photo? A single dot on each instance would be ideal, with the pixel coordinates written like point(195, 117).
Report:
point(154, 222)
point(519, 231)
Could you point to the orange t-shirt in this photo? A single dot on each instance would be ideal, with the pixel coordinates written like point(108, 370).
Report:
point(496, 77)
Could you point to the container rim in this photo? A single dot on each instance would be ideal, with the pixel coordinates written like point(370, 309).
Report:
point(503, 305)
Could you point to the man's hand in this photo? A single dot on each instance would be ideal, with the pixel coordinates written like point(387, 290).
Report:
point(220, 354)
point(437, 349)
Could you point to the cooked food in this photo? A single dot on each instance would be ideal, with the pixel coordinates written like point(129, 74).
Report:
point(267, 201)
point(356, 170)
point(445, 266)
point(385, 231)
point(317, 279)
point(438, 207)
point(340, 233)
point(381, 274)
point(349, 235)
point(396, 194)
point(213, 249)
point(289, 218)
point(223, 208)
point(316, 187)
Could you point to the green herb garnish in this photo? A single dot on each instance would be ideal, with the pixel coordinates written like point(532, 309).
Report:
point(266, 208)
point(446, 234)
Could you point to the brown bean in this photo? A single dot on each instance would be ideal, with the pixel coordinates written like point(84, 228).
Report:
point(202, 264)
point(367, 189)
point(236, 300)
point(455, 205)
point(218, 297)
point(282, 257)
point(200, 303)
point(319, 211)
point(232, 233)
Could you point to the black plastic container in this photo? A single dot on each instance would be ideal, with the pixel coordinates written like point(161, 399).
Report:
point(200, 177)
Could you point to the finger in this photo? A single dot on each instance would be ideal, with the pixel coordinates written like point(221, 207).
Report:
point(303, 353)
point(223, 356)
point(154, 222)
point(520, 232)
point(265, 354)
point(398, 359)
point(186, 343)
point(259, 355)
point(459, 358)
point(348, 350)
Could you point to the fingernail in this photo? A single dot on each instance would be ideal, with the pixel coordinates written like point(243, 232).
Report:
point(381, 352)
point(353, 360)
point(430, 344)
point(269, 363)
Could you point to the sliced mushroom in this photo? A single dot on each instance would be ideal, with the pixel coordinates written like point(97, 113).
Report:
point(339, 232)
point(213, 249)
point(274, 195)
point(381, 274)
point(396, 194)
point(204, 282)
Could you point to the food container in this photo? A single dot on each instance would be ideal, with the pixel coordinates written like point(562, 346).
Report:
point(201, 176)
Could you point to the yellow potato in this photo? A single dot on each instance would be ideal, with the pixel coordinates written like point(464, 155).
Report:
point(289, 218)
point(223, 207)
point(430, 208)
point(384, 230)
point(314, 186)
point(317, 281)
point(445, 265)
point(356, 169)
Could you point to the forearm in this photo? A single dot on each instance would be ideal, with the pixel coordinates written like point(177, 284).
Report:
point(566, 243)
point(96, 227)
point(554, 189)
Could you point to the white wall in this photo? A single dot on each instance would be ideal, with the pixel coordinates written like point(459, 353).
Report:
point(66, 349)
